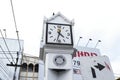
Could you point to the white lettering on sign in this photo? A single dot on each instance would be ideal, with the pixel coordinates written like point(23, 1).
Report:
point(82, 53)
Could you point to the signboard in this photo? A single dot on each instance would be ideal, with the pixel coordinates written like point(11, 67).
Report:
point(76, 69)
point(82, 52)
point(96, 68)
point(86, 51)
point(77, 74)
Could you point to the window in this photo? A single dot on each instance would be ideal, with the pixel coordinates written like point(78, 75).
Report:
point(30, 67)
point(36, 67)
point(24, 67)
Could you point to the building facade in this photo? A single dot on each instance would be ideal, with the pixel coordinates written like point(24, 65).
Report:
point(29, 69)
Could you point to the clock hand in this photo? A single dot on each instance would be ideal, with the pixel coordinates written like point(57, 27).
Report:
point(61, 35)
point(58, 36)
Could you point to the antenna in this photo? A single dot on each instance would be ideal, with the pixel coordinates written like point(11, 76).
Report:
point(79, 40)
point(88, 42)
point(97, 43)
point(5, 32)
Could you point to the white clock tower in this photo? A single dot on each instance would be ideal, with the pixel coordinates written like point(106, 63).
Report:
point(57, 47)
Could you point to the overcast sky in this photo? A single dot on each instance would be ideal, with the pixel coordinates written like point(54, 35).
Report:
point(96, 19)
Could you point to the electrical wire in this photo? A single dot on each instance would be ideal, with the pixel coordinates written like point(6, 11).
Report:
point(6, 58)
point(13, 52)
point(5, 76)
point(4, 53)
point(15, 25)
point(7, 46)
point(4, 69)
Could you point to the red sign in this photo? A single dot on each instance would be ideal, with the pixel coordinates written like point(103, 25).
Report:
point(86, 52)
point(82, 54)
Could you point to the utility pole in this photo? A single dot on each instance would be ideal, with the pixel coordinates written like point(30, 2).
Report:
point(15, 65)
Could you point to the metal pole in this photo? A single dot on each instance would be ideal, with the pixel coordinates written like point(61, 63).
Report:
point(97, 43)
point(88, 42)
point(14, 77)
point(78, 40)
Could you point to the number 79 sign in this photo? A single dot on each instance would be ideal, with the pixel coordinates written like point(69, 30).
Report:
point(76, 63)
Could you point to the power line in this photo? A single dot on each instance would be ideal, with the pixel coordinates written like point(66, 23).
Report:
point(8, 58)
point(15, 65)
point(12, 52)
point(4, 53)
point(7, 46)
point(4, 69)
point(5, 76)
point(15, 24)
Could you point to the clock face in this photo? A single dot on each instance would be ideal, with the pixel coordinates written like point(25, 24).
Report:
point(59, 34)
